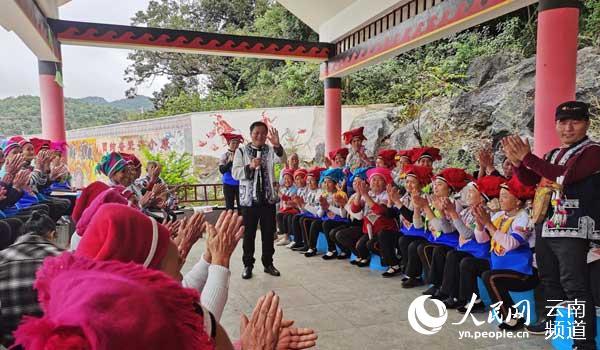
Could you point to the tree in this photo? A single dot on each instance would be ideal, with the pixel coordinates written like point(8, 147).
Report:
point(176, 167)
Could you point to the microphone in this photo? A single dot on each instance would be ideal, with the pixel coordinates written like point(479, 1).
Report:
point(258, 155)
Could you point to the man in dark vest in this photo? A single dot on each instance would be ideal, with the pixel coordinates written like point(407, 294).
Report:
point(566, 211)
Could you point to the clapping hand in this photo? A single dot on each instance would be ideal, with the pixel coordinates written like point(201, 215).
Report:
point(190, 231)
point(173, 227)
point(482, 216)
point(515, 148)
point(295, 338)
point(224, 237)
point(393, 193)
point(21, 180)
point(14, 163)
point(262, 330)
point(58, 171)
point(419, 202)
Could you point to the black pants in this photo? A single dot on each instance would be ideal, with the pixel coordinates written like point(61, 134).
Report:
point(232, 196)
point(564, 274)
point(451, 279)
point(296, 226)
point(252, 217)
point(354, 240)
point(283, 223)
point(410, 257)
point(313, 234)
point(470, 269)
point(330, 228)
point(433, 258)
point(388, 244)
point(500, 282)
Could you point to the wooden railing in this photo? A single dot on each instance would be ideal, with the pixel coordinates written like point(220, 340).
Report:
point(201, 193)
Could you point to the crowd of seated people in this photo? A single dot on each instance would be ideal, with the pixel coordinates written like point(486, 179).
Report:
point(436, 228)
point(119, 283)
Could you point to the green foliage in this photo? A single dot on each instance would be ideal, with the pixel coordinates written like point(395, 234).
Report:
point(21, 115)
point(176, 167)
point(590, 23)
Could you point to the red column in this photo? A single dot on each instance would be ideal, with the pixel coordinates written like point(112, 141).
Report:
point(52, 102)
point(558, 28)
point(333, 114)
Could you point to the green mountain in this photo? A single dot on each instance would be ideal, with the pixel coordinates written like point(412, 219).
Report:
point(21, 115)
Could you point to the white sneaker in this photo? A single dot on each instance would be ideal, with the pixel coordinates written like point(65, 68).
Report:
point(283, 242)
point(291, 245)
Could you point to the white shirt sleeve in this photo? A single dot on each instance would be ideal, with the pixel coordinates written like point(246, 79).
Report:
point(212, 282)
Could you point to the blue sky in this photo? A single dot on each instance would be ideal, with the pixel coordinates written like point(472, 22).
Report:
point(88, 71)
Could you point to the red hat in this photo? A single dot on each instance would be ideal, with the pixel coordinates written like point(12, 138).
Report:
point(388, 156)
point(315, 172)
point(406, 153)
point(341, 151)
point(131, 159)
point(426, 152)
point(87, 196)
point(350, 135)
point(19, 140)
point(518, 189)
point(40, 144)
point(119, 232)
point(489, 186)
point(456, 178)
point(288, 171)
point(229, 136)
point(112, 195)
point(421, 173)
point(300, 172)
point(111, 305)
point(385, 173)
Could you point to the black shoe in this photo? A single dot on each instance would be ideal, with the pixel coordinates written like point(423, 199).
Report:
point(539, 328)
point(452, 303)
point(354, 262)
point(308, 254)
point(431, 291)
point(330, 257)
point(343, 256)
point(363, 264)
point(520, 323)
point(247, 274)
point(300, 248)
point(412, 282)
point(477, 308)
point(391, 272)
point(271, 270)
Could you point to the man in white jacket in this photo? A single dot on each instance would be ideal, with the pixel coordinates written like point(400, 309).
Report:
point(254, 168)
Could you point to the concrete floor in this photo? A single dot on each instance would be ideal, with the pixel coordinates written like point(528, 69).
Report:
point(350, 308)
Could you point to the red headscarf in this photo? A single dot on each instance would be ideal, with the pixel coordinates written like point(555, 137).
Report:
point(87, 196)
point(105, 305)
point(39, 144)
point(385, 173)
point(518, 189)
point(112, 195)
point(119, 232)
point(315, 172)
point(429, 152)
point(406, 153)
point(341, 151)
point(388, 156)
point(489, 186)
point(300, 172)
point(132, 159)
point(287, 171)
point(421, 173)
point(456, 178)
point(229, 136)
point(351, 134)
